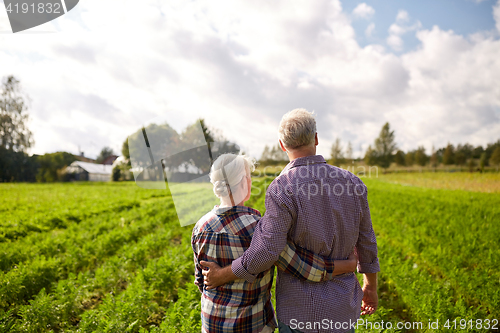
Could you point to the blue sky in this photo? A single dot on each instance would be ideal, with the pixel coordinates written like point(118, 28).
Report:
point(462, 16)
point(429, 68)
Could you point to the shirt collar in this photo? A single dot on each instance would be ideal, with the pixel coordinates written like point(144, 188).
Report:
point(234, 210)
point(306, 160)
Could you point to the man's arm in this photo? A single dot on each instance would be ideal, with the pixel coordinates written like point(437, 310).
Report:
point(368, 264)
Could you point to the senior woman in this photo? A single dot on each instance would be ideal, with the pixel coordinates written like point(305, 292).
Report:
point(223, 234)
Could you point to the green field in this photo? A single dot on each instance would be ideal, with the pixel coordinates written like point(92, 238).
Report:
point(112, 257)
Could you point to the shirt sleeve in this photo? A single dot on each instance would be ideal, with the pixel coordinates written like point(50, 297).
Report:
point(269, 238)
point(198, 276)
point(305, 264)
point(366, 246)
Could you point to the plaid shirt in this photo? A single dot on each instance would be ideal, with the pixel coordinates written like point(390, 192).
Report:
point(324, 209)
point(223, 235)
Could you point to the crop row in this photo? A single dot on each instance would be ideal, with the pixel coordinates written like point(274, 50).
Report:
point(57, 242)
point(88, 293)
point(31, 208)
point(20, 284)
point(438, 249)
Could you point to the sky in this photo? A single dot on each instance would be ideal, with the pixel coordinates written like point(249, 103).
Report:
point(106, 68)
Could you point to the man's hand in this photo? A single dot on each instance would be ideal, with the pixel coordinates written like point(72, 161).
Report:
point(216, 276)
point(370, 302)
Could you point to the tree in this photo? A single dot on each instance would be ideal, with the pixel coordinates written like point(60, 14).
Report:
point(460, 157)
point(482, 161)
point(17, 166)
point(51, 166)
point(495, 157)
point(126, 152)
point(399, 158)
point(104, 154)
point(348, 152)
point(409, 158)
point(385, 146)
point(273, 155)
point(215, 142)
point(278, 155)
point(420, 156)
point(467, 150)
point(159, 147)
point(14, 133)
point(370, 156)
point(490, 148)
point(116, 173)
point(449, 155)
point(471, 164)
point(434, 158)
point(477, 152)
point(336, 153)
point(266, 154)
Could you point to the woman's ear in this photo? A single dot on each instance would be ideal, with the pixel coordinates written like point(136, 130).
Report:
point(249, 185)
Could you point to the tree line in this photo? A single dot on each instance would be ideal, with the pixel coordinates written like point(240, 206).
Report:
point(385, 151)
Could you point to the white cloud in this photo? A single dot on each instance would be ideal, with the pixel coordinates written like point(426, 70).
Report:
point(395, 42)
point(496, 14)
point(241, 65)
point(402, 16)
point(363, 11)
point(399, 28)
point(370, 29)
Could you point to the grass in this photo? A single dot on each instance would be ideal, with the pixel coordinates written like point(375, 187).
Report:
point(474, 182)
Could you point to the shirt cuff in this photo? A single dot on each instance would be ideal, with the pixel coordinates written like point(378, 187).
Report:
point(369, 267)
point(240, 271)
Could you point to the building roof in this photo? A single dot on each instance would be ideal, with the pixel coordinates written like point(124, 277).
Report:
point(94, 168)
point(83, 158)
point(110, 159)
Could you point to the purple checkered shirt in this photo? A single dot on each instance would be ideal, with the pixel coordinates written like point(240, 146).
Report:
point(323, 209)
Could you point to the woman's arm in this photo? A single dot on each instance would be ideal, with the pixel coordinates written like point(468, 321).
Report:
point(198, 276)
point(307, 265)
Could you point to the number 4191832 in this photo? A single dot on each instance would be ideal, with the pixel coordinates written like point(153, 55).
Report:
point(41, 8)
point(472, 324)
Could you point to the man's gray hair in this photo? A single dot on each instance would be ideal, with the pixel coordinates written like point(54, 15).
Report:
point(297, 128)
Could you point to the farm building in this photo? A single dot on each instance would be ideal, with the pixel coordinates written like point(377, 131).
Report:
point(89, 171)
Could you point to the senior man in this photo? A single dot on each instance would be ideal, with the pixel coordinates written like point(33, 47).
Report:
point(321, 208)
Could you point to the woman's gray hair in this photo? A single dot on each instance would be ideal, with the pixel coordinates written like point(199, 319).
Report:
point(227, 173)
point(297, 128)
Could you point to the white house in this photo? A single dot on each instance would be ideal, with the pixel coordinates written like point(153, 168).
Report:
point(90, 171)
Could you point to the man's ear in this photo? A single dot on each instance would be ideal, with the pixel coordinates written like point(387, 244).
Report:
point(282, 145)
point(316, 139)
